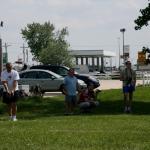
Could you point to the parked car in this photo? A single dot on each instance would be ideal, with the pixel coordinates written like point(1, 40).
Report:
point(63, 70)
point(47, 80)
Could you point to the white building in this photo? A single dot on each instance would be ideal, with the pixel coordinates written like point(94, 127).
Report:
point(84, 56)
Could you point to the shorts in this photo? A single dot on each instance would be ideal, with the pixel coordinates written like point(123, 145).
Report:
point(10, 98)
point(128, 88)
point(71, 99)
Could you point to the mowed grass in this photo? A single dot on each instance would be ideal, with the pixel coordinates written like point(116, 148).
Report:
point(42, 125)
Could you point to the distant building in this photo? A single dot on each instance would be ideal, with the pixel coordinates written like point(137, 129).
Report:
point(88, 57)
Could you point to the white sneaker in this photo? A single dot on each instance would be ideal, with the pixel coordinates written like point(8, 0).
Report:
point(14, 119)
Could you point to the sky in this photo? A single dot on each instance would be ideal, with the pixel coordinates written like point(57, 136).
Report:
point(92, 24)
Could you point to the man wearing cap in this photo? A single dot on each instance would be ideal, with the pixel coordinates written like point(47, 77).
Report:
point(128, 77)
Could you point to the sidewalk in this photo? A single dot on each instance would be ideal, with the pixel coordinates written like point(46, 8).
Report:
point(113, 84)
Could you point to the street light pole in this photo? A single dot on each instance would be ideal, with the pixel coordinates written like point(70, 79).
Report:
point(123, 30)
point(119, 49)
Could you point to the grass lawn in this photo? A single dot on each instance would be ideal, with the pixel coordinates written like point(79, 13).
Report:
point(42, 125)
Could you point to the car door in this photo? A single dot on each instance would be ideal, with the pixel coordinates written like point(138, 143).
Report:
point(49, 82)
point(28, 78)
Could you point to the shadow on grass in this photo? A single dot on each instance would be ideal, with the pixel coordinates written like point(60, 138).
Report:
point(36, 107)
point(116, 108)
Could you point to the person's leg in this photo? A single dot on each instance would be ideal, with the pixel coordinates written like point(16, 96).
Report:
point(7, 101)
point(84, 106)
point(126, 98)
point(14, 99)
point(73, 103)
point(68, 104)
point(14, 108)
point(130, 101)
point(9, 110)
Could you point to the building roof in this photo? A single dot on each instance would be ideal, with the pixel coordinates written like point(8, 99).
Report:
point(90, 53)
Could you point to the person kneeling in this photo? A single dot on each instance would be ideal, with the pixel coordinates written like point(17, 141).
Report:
point(87, 99)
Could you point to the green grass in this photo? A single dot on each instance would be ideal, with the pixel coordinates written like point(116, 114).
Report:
point(42, 125)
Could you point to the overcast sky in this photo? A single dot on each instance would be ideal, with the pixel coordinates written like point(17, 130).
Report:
point(92, 24)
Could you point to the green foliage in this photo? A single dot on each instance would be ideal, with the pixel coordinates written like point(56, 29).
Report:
point(47, 46)
point(143, 19)
point(146, 51)
point(57, 51)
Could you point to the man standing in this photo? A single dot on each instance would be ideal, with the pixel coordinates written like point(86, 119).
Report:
point(70, 88)
point(9, 79)
point(128, 76)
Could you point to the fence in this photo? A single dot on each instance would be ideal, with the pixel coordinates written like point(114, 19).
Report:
point(145, 76)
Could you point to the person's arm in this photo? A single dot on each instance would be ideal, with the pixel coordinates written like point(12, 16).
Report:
point(64, 87)
point(134, 78)
point(15, 82)
point(5, 86)
point(4, 82)
point(121, 75)
point(64, 90)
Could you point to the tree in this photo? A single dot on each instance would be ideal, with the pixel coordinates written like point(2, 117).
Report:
point(143, 19)
point(58, 49)
point(146, 50)
point(47, 45)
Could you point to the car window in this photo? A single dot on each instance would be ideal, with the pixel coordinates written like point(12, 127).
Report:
point(62, 71)
point(31, 74)
point(45, 75)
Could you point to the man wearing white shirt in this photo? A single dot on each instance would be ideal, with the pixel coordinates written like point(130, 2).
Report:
point(9, 79)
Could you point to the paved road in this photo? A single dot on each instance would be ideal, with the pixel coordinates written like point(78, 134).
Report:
point(113, 84)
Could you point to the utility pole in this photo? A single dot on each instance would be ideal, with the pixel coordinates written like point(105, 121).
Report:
point(1, 52)
point(1, 56)
point(6, 52)
point(27, 56)
point(23, 51)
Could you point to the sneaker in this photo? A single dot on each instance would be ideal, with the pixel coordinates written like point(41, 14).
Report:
point(14, 119)
point(129, 110)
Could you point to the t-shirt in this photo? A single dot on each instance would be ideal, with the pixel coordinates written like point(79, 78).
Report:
point(83, 96)
point(128, 75)
point(10, 77)
point(70, 84)
point(86, 96)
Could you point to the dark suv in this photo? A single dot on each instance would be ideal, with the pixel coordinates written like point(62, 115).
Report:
point(63, 70)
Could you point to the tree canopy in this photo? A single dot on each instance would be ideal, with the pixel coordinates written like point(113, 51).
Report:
point(47, 45)
point(143, 19)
